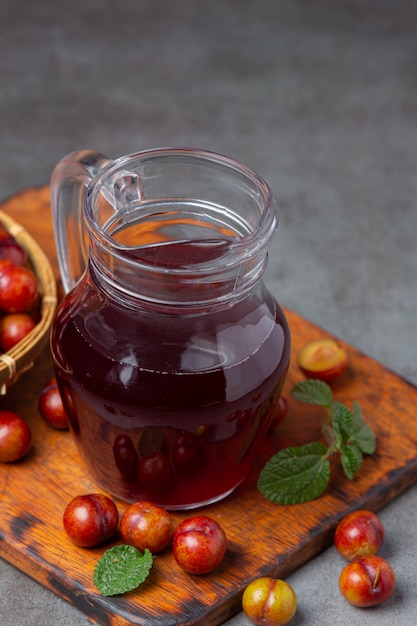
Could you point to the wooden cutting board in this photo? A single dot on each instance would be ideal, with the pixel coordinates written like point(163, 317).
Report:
point(263, 538)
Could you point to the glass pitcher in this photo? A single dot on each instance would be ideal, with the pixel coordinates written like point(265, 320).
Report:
point(169, 351)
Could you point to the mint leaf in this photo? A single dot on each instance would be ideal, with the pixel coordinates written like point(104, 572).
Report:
point(365, 439)
point(313, 391)
point(296, 475)
point(342, 420)
point(121, 569)
point(357, 416)
point(363, 435)
point(351, 458)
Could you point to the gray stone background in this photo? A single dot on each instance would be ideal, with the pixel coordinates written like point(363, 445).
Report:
point(321, 99)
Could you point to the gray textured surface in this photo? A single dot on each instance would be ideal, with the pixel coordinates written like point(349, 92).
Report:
point(320, 98)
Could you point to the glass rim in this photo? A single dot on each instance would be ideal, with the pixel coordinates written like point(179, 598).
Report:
point(241, 247)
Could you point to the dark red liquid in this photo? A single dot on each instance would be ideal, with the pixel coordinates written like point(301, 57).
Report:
point(169, 408)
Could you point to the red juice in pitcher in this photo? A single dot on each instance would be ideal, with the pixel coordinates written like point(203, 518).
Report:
point(169, 351)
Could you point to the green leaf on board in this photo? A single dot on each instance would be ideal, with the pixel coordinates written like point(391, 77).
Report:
point(351, 458)
point(363, 435)
point(342, 421)
point(296, 475)
point(121, 569)
point(313, 391)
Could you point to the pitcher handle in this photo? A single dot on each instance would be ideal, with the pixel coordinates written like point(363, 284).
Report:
point(69, 181)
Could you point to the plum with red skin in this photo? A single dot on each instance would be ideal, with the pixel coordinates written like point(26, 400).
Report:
point(51, 407)
point(13, 328)
point(359, 533)
point(90, 520)
point(10, 248)
point(126, 457)
point(323, 359)
point(199, 544)
point(14, 252)
point(185, 456)
point(155, 472)
point(15, 437)
point(18, 287)
point(146, 525)
point(367, 581)
point(269, 602)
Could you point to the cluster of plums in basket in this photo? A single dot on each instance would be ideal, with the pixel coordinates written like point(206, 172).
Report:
point(19, 314)
point(19, 292)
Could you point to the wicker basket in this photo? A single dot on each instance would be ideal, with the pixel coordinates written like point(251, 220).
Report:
point(21, 357)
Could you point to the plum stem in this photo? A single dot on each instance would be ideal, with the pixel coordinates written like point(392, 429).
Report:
point(377, 576)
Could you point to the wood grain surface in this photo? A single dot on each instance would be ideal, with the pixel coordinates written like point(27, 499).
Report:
point(263, 538)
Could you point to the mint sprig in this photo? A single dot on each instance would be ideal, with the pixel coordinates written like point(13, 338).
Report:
point(297, 475)
point(121, 569)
